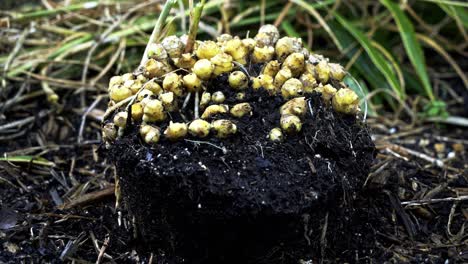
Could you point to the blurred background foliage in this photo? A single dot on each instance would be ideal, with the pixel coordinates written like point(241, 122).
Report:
point(409, 57)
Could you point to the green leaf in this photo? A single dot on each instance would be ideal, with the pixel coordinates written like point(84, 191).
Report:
point(374, 54)
point(435, 109)
point(289, 29)
point(412, 46)
point(28, 159)
point(457, 13)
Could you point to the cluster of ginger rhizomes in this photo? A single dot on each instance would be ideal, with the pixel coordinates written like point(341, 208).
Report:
point(170, 78)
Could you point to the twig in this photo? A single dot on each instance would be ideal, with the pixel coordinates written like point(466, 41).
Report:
point(283, 14)
point(435, 200)
point(111, 62)
point(89, 197)
point(452, 120)
point(24, 121)
point(403, 150)
point(11, 57)
point(15, 98)
point(65, 216)
point(72, 246)
point(401, 102)
point(455, 140)
point(403, 134)
point(111, 109)
point(83, 118)
point(450, 219)
point(105, 244)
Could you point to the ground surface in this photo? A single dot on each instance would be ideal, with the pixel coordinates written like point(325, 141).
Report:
point(245, 197)
point(34, 228)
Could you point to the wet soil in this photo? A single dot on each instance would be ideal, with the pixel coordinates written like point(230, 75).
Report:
point(245, 198)
point(379, 226)
point(34, 230)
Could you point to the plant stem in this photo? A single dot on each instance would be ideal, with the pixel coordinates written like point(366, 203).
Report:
point(195, 16)
point(158, 27)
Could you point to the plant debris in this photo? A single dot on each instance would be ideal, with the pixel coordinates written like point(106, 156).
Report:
point(430, 197)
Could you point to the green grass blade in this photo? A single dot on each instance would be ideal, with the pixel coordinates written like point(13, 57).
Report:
point(412, 46)
point(289, 29)
point(71, 44)
point(363, 64)
point(362, 68)
point(374, 54)
point(457, 13)
point(434, 45)
point(448, 2)
point(28, 159)
point(51, 12)
point(67, 46)
point(393, 62)
point(162, 17)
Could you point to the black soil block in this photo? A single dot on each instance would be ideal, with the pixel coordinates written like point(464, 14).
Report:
point(246, 198)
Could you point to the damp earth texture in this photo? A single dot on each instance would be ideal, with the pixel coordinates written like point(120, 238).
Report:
point(238, 150)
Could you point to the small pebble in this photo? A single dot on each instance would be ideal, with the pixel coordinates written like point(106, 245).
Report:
point(458, 147)
point(439, 147)
point(10, 247)
point(423, 142)
point(414, 186)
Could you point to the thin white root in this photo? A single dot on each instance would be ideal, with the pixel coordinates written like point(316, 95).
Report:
point(197, 103)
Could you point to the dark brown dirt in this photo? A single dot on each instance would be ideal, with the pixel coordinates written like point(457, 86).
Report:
point(377, 227)
point(255, 200)
point(380, 229)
